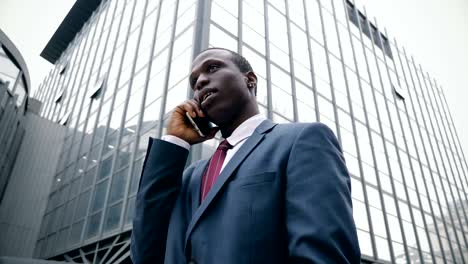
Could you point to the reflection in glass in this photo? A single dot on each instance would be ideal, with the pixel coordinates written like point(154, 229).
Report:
point(75, 233)
point(88, 178)
point(8, 71)
point(20, 92)
point(82, 205)
point(118, 186)
point(99, 195)
point(69, 212)
point(93, 225)
point(105, 168)
point(124, 155)
point(136, 175)
point(130, 210)
point(113, 217)
point(400, 256)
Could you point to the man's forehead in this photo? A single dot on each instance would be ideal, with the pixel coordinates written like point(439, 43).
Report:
point(212, 54)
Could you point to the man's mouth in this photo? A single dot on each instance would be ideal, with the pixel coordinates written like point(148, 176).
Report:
point(206, 96)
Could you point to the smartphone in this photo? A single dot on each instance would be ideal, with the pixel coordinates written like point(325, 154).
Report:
point(201, 125)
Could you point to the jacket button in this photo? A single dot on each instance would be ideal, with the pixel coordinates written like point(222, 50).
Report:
point(192, 261)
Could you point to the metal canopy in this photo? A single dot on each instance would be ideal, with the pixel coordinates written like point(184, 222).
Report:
point(70, 26)
point(15, 56)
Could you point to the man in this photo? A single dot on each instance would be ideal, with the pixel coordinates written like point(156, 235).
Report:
point(271, 193)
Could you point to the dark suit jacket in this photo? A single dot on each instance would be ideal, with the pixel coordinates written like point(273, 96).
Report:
point(284, 197)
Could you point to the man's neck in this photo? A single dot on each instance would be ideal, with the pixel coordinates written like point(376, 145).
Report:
point(229, 128)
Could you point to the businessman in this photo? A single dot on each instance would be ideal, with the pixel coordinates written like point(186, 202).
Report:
point(271, 193)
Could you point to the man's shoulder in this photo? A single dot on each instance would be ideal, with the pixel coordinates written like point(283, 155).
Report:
point(299, 127)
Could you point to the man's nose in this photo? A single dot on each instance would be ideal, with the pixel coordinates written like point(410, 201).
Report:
point(202, 81)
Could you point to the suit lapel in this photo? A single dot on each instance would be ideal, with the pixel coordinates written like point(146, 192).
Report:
point(235, 161)
point(195, 186)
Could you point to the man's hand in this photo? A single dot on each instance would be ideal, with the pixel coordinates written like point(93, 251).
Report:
point(179, 126)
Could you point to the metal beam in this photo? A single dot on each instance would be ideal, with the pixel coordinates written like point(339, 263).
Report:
point(83, 257)
point(124, 246)
point(109, 249)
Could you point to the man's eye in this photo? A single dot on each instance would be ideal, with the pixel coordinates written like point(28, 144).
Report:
point(193, 81)
point(213, 67)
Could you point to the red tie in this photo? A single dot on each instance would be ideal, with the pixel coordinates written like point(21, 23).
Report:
point(212, 172)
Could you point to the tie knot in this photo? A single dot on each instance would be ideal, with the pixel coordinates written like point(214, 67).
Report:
point(224, 145)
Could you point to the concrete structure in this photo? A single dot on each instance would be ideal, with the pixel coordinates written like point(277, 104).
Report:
point(25, 199)
point(14, 87)
point(126, 67)
point(29, 149)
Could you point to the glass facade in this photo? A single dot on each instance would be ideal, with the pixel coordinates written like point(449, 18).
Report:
point(115, 84)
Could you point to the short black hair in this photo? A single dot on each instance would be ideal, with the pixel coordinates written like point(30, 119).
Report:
point(239, 60)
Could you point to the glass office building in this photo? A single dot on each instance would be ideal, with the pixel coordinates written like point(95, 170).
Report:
point(117, 79)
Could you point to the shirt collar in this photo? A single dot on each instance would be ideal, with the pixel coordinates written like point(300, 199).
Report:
point(245, 129)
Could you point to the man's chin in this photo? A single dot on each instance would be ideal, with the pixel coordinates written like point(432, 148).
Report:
point(217, 114)
point(214, 118)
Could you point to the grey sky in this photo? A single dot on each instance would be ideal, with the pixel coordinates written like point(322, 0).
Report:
point(433, 31)
point(30, 24)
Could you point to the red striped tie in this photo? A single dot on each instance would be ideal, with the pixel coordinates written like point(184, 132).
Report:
point(212, 172)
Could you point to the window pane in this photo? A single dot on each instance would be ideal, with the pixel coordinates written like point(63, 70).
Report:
point(99, 195)
point(136, 175)
point(382, 248)
point(118, 186)
point(75, 234)
point(88, 178)
point(69, 212)
point(130, 210)
point(105, 168)
point(82, 205)
point(365, 243)
point(113, 217)
point(360, 215)
point(75, 187)
point(93, 225)
point(124, 155)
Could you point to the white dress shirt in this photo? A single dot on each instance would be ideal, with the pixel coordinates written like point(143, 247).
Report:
point(237, 138)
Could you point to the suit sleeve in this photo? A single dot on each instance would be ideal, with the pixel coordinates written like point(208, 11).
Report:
point(319, 214)
point(160, 185)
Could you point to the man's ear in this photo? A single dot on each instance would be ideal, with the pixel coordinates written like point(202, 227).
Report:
point(251, 81)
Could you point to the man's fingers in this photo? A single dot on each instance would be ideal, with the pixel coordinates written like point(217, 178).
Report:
point(195, 108)
point(186, 107)
point(180, 126)
point(191, 107)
